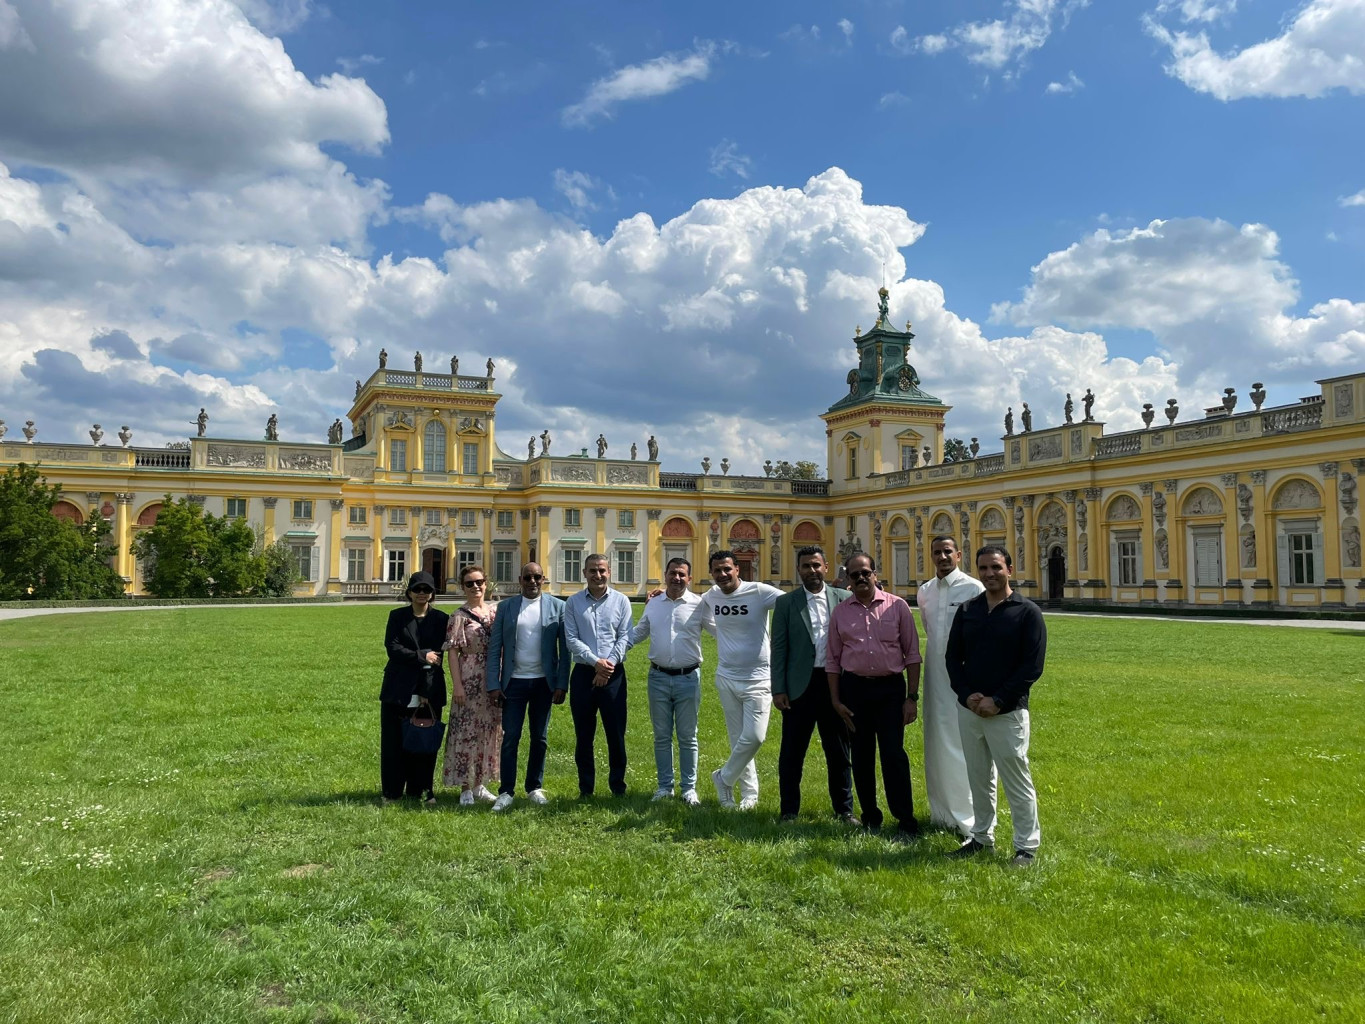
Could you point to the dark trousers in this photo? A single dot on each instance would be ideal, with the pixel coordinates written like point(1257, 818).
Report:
point(877, 706)
point(521, 696)
point(814, 710)
point(586, 702)
point(400, 769)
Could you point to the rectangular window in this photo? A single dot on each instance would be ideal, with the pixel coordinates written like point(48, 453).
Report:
point(236, 508)
point(852, 463)
point(503, 569)
point(469, 518)
point(908, 459)
point(433, 517)
point(1128, 563)
point(355, 564)
point(1302, 560)
point(573, 565)
point(625, 519)
point(303, 509)
point(471, 459)
point(434, 449)
point(398, 517)
point(852, 523)
point(398, 565)
point(625, 565)
point(357, 513)
point(573, 518)
point(464, 557)
point(398, 456)
point(305, 560)
point(506, 520)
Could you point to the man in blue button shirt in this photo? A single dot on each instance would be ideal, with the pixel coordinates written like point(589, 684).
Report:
point(597, 626)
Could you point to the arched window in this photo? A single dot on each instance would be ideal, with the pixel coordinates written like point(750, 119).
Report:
point(434, 447)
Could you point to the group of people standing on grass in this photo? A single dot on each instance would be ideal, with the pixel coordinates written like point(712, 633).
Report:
point(845, 664)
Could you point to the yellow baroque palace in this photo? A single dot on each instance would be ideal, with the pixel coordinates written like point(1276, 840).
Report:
point(1251, 507)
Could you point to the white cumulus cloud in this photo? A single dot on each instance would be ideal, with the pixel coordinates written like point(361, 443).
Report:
point(998, 44)
point(1321, 49)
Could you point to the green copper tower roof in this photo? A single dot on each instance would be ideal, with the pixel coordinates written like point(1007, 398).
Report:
point(884, 373)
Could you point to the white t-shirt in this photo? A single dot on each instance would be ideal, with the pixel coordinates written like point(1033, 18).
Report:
point(527, 663)
point(740, 622)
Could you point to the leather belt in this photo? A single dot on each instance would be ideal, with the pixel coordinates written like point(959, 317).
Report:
point(676, 671)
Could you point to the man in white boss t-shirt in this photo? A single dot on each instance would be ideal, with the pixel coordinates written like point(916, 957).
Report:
point(738, 612)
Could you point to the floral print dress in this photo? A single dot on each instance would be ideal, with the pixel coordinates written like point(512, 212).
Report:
point(474, 740)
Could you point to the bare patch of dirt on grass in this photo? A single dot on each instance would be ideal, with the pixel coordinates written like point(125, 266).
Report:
point(217, 875)
point(304, 870)
point(275, 995)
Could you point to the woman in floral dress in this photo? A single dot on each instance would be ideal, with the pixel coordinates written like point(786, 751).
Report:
point(475, 737)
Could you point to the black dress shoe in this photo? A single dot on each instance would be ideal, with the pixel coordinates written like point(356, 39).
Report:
point(906, 832)
point(789, 816)
point(850, 819)
point(1021, 859)
point(968, 849)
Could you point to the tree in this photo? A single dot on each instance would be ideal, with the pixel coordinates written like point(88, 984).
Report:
point(193, 554)
point(955, 450)
point(802, 470)
point(281, 571)
point(46, 558)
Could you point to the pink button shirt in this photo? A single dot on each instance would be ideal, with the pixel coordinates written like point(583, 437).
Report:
point(877, 640)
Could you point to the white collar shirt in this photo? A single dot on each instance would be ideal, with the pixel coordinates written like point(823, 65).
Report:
point(938, 601)
point(819, 621)
point(673, 628)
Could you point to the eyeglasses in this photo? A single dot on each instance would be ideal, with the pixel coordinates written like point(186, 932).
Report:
point(421, 590)
point(860, 574)
point(534, 578)
point(475, 583)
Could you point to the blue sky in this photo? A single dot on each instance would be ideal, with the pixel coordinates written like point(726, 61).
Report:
point(668, 218)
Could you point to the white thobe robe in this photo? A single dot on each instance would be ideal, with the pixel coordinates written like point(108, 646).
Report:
point(945, 769)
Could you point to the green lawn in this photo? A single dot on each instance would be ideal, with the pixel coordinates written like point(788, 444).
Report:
point(189, 831)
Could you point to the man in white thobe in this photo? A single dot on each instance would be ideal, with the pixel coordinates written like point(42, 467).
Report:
point(945, 769)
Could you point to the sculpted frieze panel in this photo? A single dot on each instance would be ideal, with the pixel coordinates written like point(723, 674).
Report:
point(568, 472)
point(1045, 448)
point(1297, 494)
point(1203, 502)
point(301, 461)
point(1124, 508)
point(638, 475)
point(236, 456)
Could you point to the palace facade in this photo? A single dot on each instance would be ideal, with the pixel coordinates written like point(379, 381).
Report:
point(1241, 507)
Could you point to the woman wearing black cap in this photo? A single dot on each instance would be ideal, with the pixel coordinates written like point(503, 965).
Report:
point(413, 639)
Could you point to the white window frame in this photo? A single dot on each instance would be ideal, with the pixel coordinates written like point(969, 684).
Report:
point(357, 561)
point(398, 516)
point(573, 519)
point(469, 518)
point(359, 515)
point(1128, 560)
point(235, 508)
point(506, 520)
point(572, 563)
point(396, 564)
point(469, 455)
point(625, 519)
point(1301, 549)
point(302, 509)
point(434, 447)
point(504, 566)
point(433, 517)
point(625, 566)
point(305, 556)
point(398, 455)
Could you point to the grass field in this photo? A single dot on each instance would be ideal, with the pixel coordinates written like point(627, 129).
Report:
point(189, 831)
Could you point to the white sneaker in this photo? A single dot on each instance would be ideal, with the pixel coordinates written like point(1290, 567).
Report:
point(748, 803)
point(467, 798)
point(503, 802)
point(691, 799)
point(481, 792)
point(538, 797)
point(662, 794)
point(725, 794)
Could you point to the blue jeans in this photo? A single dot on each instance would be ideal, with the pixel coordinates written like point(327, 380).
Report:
point(519, 697)
point(673, 703)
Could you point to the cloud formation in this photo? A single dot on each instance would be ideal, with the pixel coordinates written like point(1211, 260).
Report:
point(1321, 49)
point(999, 44)
point(656, 77)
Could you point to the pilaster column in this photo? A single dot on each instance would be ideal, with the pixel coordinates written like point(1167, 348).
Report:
point(1073, 565)
point(1025, 560)
point(788, 555)
point(1232, 543)
point(123, 536)
point(600, 536)
point(1096, 544)
point(334, 529)
point(414, 544)
point(1148, 591)
point(1175, 544)
point(543, 537)
point(654, 549)
point(416, 459)
point(377, 542)
point(1334, 589)
point(524, 538)
point(486, 446)
point(1263, 589)
point(269, 519)
point(452, 549)
point(830, 541)
point(487, 556)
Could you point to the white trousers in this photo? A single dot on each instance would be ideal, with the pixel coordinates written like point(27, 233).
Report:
point(747, 705)
point(945, 768)
point(1000, 743)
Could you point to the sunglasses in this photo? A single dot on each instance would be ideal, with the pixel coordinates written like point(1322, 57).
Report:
point(475, 583)
point(421, 590)
point(533, 579)
point(860, 574)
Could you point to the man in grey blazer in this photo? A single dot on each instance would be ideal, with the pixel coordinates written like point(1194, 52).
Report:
point(528, 670)
point(801, 691)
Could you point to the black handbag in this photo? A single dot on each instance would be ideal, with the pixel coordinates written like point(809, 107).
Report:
point(423, 730)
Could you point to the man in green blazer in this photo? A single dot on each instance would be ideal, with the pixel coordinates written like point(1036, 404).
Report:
point(801, 692)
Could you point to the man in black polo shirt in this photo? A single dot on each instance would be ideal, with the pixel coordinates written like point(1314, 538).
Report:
point(996, 649)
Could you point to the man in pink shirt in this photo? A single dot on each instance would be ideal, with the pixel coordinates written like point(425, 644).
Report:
point(872, 661)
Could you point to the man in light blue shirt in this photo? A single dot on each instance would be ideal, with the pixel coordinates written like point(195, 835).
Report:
point(597, 626)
